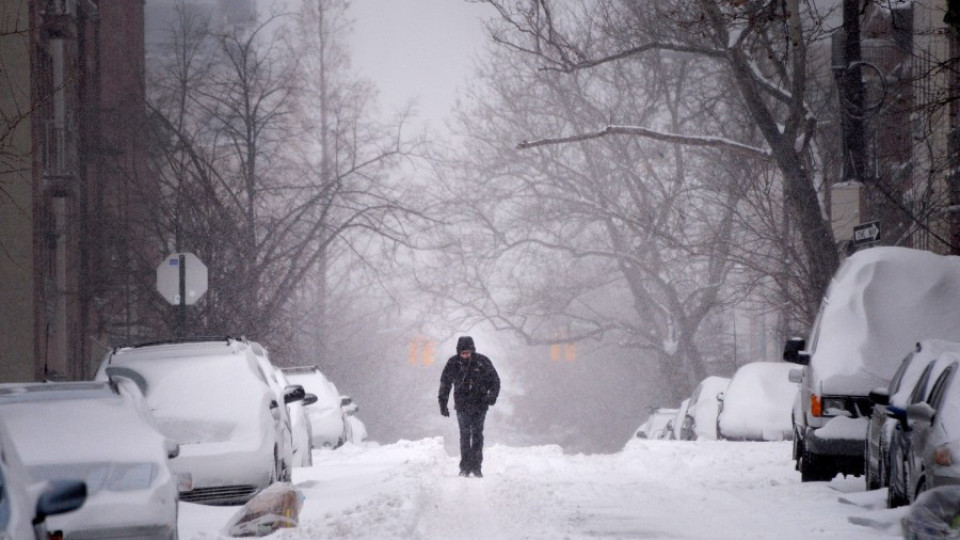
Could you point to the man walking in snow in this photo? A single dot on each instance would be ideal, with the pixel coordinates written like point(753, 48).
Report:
point(476, 386)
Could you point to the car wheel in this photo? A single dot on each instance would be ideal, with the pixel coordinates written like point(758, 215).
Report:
point(871, 473)
point(285, 471)
point(896, 488)
point(277, 467)
point(921, 487)
point(883, 474)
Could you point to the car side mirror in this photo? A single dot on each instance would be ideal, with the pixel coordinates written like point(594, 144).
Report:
point(120, 371)
point(795, 376)
point(795, 353)
point(171, 447)
point(921, 412)
point(900, 415)
point(310, 399)
point(60, 497)
point(293, 393)
point(879, 396)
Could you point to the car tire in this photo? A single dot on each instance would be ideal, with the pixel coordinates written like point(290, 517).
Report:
point(277, 467)
point(896, 497)
point(883, 473)
point(921, 487)
point(871, 474)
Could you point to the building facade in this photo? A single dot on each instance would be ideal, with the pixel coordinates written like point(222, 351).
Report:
point(74, 170)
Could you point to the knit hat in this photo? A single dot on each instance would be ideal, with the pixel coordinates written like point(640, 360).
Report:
point(465, 343)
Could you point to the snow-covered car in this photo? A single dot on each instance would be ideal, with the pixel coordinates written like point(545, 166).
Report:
point(886, 444)
point(355, 431)
point(300, 430)
point(26, 505)
point(655, 426)
point(327, 418)
point(757, 403)
point(933, 457)
point(96, 432)
point(210, 396)
point(880, 303)
point(682, 424)
point(287, 394)
point(704, 406)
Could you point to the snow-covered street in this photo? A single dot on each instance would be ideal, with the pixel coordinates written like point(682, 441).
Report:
point(653, 489)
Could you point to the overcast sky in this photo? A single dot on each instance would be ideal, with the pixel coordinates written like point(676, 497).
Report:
point(417, 49)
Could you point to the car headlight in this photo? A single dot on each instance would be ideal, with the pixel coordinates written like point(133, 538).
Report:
point(946, 455)
point(833, 406)
point(101, 476)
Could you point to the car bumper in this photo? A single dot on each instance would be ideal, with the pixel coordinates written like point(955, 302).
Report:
point(833, 445)
point(207, 466)
point(939, 476)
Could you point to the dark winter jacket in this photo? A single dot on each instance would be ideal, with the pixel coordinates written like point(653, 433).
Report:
point(475, 383)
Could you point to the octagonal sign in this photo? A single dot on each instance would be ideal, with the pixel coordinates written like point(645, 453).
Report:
point(195, 278)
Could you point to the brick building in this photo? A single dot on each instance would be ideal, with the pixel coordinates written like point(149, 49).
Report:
point(73, 178)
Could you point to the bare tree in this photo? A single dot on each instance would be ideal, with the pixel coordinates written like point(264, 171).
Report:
point(265, 173)
point(759, 48)
point(603, 237)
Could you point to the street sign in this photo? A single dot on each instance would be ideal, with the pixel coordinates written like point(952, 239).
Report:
point(866, 233)
point(194, 276)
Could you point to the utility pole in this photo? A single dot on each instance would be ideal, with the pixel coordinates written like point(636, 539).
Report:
point(848, 70)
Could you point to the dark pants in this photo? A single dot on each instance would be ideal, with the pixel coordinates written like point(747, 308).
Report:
point(471, 439)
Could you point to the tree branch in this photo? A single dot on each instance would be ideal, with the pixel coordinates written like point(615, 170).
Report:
point(687, 140)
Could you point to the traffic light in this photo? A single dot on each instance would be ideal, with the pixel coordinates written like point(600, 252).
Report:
point(563, 351)
point(422, 351)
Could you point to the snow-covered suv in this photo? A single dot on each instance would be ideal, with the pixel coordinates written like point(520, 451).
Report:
point(215, 397)
point(880, 303)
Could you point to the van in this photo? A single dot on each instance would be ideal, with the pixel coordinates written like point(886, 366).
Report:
point(880, 303)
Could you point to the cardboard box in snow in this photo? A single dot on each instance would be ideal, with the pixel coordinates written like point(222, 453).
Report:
point(276, 507)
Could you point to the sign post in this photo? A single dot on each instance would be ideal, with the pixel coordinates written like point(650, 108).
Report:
point(181, 280)
point(866, 233)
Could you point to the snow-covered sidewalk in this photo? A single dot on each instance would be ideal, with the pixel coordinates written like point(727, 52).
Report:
point(653, 489)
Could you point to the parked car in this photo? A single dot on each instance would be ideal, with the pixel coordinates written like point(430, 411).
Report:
point(326, 415)
point(284, 393)
point(880, 303)
point(355, 431)
point(704, 407)
point(96, 432)
point(757, 403)
point(884, 432)
point(211, 396)
point(682, 424)
point(933, 459)
point(901, 438)
point(300, 429)
point(26, 505)
point(655, 426)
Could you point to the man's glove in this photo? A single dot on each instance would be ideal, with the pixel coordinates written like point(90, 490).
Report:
point(443, 409)
point(491, 400)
